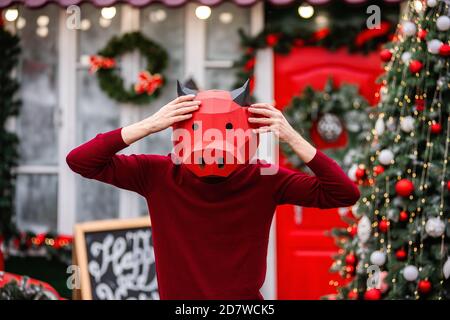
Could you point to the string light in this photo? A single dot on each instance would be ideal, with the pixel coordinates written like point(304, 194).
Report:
point(203, 12)
point(305, 11)
point(108, 12)
point(11, 15)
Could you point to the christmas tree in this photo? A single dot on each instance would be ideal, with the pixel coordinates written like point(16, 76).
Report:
point(397, 243)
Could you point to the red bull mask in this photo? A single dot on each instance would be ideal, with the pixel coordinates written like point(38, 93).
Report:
point(218, 138)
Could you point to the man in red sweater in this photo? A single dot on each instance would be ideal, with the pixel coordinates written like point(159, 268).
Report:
point(210, 235)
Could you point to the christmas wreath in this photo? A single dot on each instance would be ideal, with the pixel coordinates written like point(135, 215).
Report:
point(335, 119)
point(149, 80)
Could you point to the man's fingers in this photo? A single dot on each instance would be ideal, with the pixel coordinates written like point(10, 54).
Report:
point(186, 104)
point(262, 129)
point(263, 105)
point(181, 117)
point(185, 110)
point(264, 112)
point(188, 97)
point(261, 120)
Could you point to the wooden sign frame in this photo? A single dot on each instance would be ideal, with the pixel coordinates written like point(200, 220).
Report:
point(80, 257)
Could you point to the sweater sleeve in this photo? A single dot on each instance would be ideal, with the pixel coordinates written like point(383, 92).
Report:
point(97, 159)
point(329, 188)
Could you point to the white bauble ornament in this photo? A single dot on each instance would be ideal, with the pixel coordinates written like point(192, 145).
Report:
point(435, 227)
point(329, 127)
point(410, 273)
point(446, 268)
point(352, 172)
point(378, 258)
point(409, 28)
point(385, 157)
point(379, 126)
point(443, 23)
point(407, 124)
point(434, 45)
point(364, 228)
point(355, 211)
point(406, 56)
point(431, 3)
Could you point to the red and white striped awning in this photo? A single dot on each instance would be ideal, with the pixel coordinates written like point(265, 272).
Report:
point(170, 3)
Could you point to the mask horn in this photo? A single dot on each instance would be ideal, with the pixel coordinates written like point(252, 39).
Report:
point(242, 95)
point(182, 90)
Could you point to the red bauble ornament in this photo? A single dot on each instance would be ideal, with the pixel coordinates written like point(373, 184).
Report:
point(415, 66)
point(422, 34)
point(379, 169)
point(360, 173)
point(383, 226)
point(420, 104)
point(401, 254)
point(436, 128)
point(444, 50)
point(350, 259)
point(448, 185)
point(404, 187)
point(372, 294)
point(352, 295)
point(403, 216)
point(385, 55)
point(272, 39)
point(424, 286)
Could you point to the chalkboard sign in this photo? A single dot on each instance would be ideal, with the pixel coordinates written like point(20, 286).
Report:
point(116, 260)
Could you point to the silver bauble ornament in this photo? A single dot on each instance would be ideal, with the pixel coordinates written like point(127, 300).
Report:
point(386, 156)
point(329, 127)
point(379, 126)
point(407, 124)
point(409, 28)
point(378, 258)
point(443, 23)
point(434, 45)
point(435, 227)
point(406, 56)
point(352, 172)
point(446, 268)
point(431, 3)
point(410, 273)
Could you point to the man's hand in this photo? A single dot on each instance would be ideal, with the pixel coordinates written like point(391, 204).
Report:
point(177, 110)
point(272, 120)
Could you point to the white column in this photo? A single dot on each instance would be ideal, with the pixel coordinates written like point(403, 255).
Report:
point(129, 201)
point(267, 150)
point(67, 84)
point(195, 44)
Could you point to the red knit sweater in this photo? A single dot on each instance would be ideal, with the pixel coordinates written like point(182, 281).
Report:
point(210, 237)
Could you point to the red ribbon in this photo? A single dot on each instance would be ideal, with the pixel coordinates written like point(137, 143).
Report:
point(148, 83)
point(99, 62)
point(369, 34)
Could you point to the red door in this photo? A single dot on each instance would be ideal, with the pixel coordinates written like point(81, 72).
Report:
point(304, 252)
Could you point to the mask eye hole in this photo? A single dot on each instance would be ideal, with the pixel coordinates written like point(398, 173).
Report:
point(194, 126)
point(229, 126)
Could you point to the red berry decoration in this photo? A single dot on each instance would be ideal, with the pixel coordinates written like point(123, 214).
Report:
point(372, 294)
point(383, 226)
point(379, 169)
point(403, 216)
point(424, 286)
point(420, 104)
point(415, 66)
point(401, 254)
point(352, 295)
point(360, 173)
point(436, 128)
point(422, 34)
point(404, 187)
point(444, 50)
point(385, 55)
point(272, 39)
point(353, 230)
point(350, 259)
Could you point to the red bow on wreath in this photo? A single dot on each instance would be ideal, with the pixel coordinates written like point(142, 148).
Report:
point(99, 62)
point(148, 83)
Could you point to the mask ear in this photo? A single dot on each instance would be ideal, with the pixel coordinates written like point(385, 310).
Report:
point(190, 84)
point(242, 95)
point(182, 90)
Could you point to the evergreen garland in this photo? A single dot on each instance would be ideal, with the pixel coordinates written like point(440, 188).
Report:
point(112, 83)
point(9, 106)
